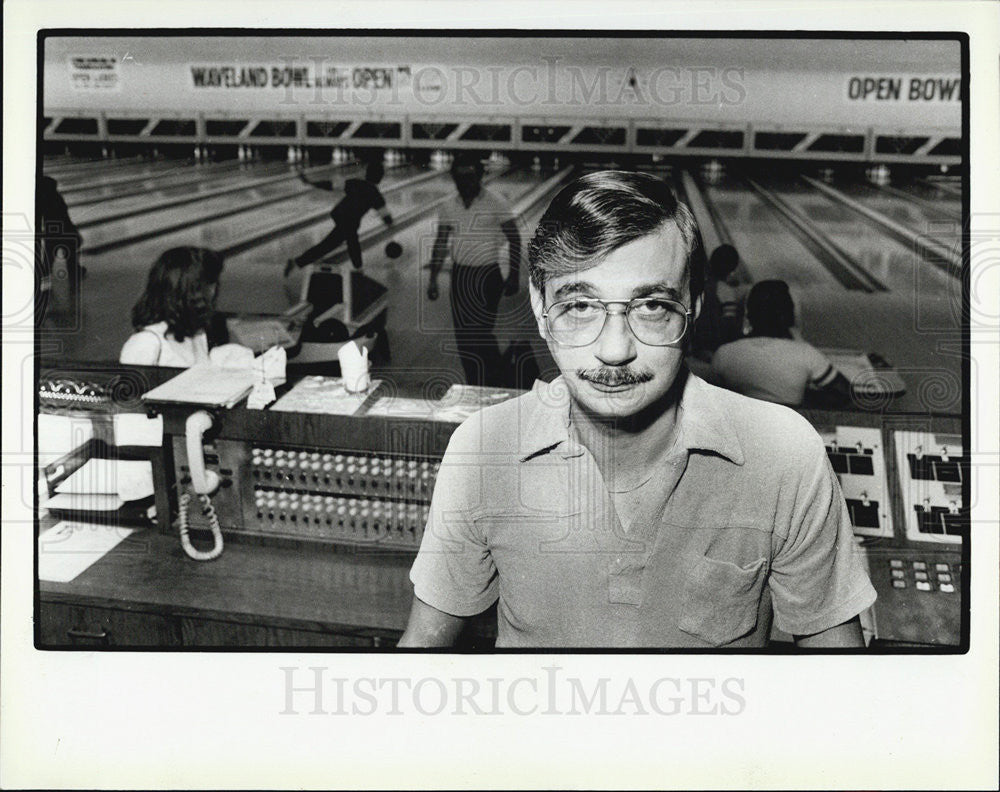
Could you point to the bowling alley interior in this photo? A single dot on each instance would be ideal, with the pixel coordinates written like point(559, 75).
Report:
point(274, 494)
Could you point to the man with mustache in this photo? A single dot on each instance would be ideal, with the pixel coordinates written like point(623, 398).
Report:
point(629, 503)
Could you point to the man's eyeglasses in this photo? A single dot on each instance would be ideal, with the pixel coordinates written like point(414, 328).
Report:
point(654, 321)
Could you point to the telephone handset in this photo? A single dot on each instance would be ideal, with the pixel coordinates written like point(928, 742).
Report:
point(204, 482)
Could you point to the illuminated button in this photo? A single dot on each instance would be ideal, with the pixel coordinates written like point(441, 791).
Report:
point(896, 563)
point(944, 577)
point(919, 565)
point(923, 585)
point(941, 567)
point(897, 573)
point(920, 575)
point(947, 588)
point(899, 584)
point(268, 452)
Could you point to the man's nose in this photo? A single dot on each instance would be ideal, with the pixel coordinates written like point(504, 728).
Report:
point(616, 344)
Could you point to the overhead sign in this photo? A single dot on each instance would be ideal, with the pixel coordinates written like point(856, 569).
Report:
point(286, 75)
point(898, 88)
point(94, 73)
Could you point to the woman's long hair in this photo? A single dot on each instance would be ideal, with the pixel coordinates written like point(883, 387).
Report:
point(177, 291)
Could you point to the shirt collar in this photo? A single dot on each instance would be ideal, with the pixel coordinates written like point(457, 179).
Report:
point(702, 424)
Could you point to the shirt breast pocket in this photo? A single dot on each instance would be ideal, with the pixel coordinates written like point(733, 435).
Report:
point(720, 599)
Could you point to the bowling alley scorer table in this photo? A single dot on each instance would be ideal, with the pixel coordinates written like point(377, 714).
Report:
point(317, 557)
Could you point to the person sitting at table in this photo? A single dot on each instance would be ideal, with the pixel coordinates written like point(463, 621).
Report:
point(772, 362)
point(175, 312)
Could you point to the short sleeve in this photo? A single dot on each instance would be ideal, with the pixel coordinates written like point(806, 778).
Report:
point(818, 578)
point(141, 349)
point(454, 571)
point(821, 370)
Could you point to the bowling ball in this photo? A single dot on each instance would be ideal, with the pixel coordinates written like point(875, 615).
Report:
point(393, 250)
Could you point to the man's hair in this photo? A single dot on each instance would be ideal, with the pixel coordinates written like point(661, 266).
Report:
point(175, 291)
point(770, 309)
point(374, 172)
point(599, 213)
point(468, 160)
point(723, 261)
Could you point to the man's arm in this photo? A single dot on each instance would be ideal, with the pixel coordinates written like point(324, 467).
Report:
point(438, 253)
point(322, 185)
point(429, 627)
point(844, 636)
point(510, 231)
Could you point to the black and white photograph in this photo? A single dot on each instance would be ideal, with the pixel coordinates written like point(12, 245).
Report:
point(430, 375)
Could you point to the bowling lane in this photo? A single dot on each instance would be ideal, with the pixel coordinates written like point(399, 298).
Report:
point(948, 199)
point(115, 169)
point(921, 215)
point(765, 243)
point(288, 189)
point(225, 231)
point(891, 262)
point(190, 185)
point(98, 190)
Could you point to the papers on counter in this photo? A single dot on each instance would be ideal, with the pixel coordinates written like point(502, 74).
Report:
point(206, 383)
point(455, 406)
point(316, 394)
point(68, 548)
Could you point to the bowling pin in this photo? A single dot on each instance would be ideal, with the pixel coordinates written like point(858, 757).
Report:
point(197, 153)
point(536, 163)
point(291, 157)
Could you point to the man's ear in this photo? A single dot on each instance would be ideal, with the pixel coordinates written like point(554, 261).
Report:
point(697, 307)
point(537, 307)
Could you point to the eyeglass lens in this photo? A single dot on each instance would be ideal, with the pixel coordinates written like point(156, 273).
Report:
point(653, 321)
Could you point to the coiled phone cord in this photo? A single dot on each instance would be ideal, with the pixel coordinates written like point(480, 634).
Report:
point(207, 510)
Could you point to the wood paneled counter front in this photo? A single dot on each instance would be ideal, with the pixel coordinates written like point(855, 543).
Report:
point(147, 593)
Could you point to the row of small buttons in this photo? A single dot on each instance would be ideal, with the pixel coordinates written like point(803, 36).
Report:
point(922, 580)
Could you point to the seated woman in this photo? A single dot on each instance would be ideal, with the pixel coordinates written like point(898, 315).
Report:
point(173, 314)
point(771, 363)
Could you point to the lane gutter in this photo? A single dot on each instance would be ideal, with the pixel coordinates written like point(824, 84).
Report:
point(838, 262)
point(930, 250)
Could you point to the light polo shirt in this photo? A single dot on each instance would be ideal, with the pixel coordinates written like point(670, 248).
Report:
point(477, 230)
point(774, 369)
point(747, 517)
